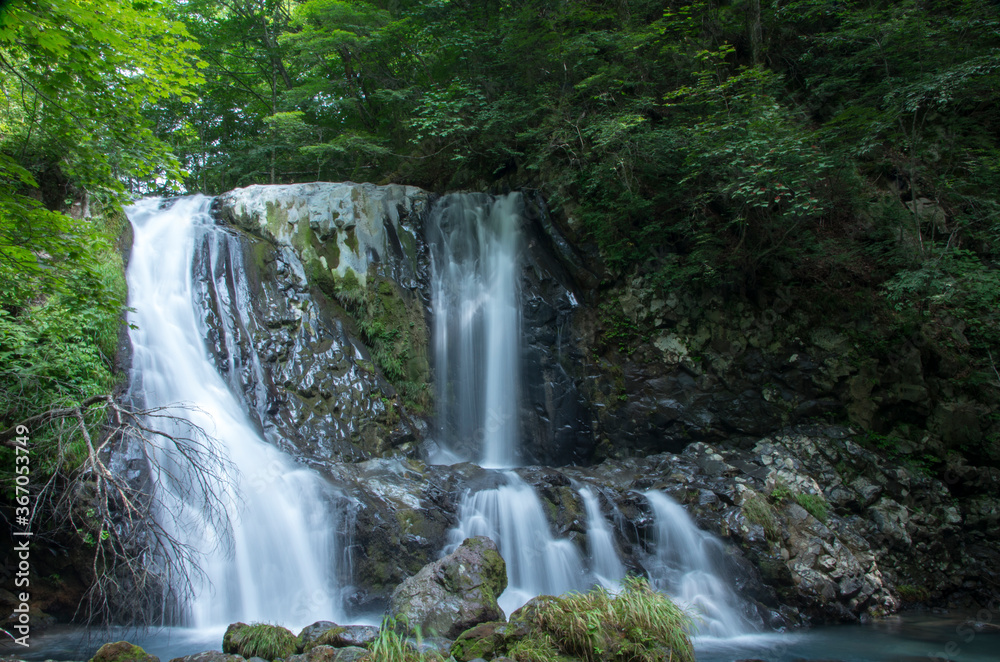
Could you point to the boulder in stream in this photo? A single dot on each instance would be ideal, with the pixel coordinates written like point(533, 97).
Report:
point(453, 594)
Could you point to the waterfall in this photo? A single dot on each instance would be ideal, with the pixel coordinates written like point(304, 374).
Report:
point(277, 559)
point(605, 563)
point(686, 563)
point(474, 244)
point(512, 515)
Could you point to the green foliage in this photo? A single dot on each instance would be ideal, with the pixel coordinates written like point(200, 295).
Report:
point(954, 285)
point(637, 624)
point(780, 492)
point(392, 646)
point(815, 504)
point(621, 332)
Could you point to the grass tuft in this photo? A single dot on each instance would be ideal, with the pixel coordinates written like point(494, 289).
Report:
point(392, 646)
point(759, 511)
point(815, 504)
point(263, 640)
point(637, 624)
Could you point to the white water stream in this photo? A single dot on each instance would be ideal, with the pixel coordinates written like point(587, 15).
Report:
point(686, 563)
point(477, 327)
point(474, 240)
point(605, 563)
point(276, 559)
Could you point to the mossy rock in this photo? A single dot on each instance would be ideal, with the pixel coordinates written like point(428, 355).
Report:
point(485, 641)
point(122, 651)
point(637, 624)
point(311, 635)
point(269, 642)
point(327, 633)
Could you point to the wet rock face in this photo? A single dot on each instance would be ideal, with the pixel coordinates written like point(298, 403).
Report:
point(450, 596)
point(296, 356)
point(555, 416)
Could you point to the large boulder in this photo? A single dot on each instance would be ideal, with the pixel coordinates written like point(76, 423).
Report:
point(327, 633)
point(454, 594)
point(122, 651)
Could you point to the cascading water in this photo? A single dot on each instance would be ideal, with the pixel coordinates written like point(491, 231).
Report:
point(605, 563)
point(686, 564)
point(537, 562)
point(276, 561)
point(474, 243)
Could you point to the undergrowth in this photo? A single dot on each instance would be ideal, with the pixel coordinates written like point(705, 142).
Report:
point(637, 624)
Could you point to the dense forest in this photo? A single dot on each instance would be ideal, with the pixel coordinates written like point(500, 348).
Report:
point(849, 150)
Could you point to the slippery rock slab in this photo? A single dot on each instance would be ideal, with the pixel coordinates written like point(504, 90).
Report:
point(450, 596)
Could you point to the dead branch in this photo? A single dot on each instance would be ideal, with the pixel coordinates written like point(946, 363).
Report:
point(141, 567)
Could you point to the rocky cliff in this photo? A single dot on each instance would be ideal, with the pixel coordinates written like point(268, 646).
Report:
point(623, 389)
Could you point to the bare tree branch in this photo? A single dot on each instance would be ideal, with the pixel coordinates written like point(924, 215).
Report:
point(142, 568)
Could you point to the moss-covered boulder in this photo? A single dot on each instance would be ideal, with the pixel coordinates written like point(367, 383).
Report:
point(480, 642)
point(122, 651)
point(269, 642)
point(454, 594)
point(327, 633)
point(638, 624)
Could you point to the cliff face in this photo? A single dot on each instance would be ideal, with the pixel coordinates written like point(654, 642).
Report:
point(691, 393)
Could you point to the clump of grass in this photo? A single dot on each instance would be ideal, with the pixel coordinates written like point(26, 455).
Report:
point(539, 648)
point(759, 511)
point(263, 640)
point(780, 492)
point(393, 646)
point(815, 504)
point(636, 625)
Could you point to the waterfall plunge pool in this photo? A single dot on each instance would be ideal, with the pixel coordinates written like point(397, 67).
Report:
point(909, 636)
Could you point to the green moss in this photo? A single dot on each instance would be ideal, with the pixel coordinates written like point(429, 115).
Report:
point(263, 640)
point(121, 651)
point(537, 648)
point(331, 637)
point(910, 593)
point(351, 240)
